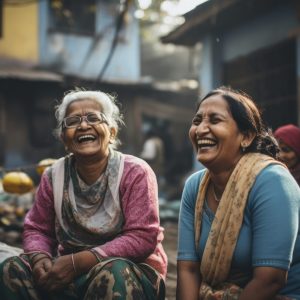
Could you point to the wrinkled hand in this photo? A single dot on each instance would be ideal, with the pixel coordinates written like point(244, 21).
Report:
point(40, 270)
point(59, 275)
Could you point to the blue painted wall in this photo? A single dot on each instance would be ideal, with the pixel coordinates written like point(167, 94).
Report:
point(70, 54)
point(206, 68)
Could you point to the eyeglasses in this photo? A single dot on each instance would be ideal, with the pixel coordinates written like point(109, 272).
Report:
point(92, 119)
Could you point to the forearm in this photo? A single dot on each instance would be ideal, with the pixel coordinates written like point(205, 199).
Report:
point(188, 280)
point(141, 231)
point(188, 288)
point(255, 289)
point(265, 285)
point(38, 235)
point(83, 261)
point(34, 241)
point(39, 232)
point(135, 244)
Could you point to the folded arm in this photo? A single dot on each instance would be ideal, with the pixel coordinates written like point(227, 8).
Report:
point(141, 231)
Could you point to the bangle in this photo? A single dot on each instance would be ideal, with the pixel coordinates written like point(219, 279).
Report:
point(34, 255)
point(73, 263)
point(98, 257)
point(33, 260)
point(37, 260)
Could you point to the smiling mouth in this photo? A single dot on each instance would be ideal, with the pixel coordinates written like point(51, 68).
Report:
point(204, 143)
point(86, 138)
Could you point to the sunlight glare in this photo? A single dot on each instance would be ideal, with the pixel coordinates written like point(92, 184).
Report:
point(181, 7)
point(144, 4)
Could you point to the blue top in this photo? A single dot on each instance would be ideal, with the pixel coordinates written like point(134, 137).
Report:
point(269, 233)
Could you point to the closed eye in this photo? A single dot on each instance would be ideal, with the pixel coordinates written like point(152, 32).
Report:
point(286, 149)
point(215, 120)
point(196, 120)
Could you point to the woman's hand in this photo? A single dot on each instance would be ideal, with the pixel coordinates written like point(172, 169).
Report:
point(41, 265)
point(60, 275)
point(65, 269)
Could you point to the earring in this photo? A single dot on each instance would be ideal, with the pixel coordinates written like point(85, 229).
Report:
point(244, 147)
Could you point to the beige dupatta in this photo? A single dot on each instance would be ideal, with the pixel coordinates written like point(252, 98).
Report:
point(224, 232)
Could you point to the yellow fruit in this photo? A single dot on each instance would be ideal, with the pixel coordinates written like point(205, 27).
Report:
point(43, 164)
point(17, 183)
point(5, 221)
point(20, 211)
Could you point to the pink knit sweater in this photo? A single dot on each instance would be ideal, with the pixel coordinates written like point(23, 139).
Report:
point(141, 235)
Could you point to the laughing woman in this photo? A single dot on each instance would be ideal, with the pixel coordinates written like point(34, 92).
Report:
point(239, 218)
point(93, 231)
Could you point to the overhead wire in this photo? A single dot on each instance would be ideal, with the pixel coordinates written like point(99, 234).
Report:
point(120, 21)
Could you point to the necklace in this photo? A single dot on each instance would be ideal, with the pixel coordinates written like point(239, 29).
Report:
point(214, 194)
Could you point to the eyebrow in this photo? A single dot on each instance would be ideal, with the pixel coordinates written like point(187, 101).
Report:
point(212, 114)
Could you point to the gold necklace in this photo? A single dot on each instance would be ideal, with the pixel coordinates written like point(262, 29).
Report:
point(214, 194)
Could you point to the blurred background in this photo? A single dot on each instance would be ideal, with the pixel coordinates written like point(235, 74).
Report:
point(158, 57)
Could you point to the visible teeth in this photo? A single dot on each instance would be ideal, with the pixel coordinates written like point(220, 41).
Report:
point(86, 137)
point(205, 142)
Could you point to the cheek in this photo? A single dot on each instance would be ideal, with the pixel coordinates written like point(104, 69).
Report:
point(104, 133)
point(288, 155)
point(192, 134)
point(67, 136)
point(293, 158)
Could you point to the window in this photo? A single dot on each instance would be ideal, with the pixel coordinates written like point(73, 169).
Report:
point(73, 16)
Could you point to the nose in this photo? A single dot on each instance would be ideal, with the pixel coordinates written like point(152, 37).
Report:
point(84, 122)
point(281, 155)
point(202, 128)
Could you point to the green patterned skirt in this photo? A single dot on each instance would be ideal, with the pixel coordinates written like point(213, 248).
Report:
point(113, 278)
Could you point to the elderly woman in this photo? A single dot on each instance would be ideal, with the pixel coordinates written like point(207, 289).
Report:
point(288, 137)
point(239, 217)
point(93, 231)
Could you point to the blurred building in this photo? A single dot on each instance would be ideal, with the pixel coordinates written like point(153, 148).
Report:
point(252, 45)
point(50, 46)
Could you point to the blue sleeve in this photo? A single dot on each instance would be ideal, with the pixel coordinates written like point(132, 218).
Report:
point(274, 209)
point(186, 233)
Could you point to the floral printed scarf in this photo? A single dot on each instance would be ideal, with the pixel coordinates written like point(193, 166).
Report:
point(87, 216)
point(224, 232)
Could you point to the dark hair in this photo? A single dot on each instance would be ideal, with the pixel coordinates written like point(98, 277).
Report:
point(248, 119)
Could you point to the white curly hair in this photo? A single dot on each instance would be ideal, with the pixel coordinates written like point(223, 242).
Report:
point(106, 101)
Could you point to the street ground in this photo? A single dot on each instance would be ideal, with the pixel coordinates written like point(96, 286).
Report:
point(170, 246)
